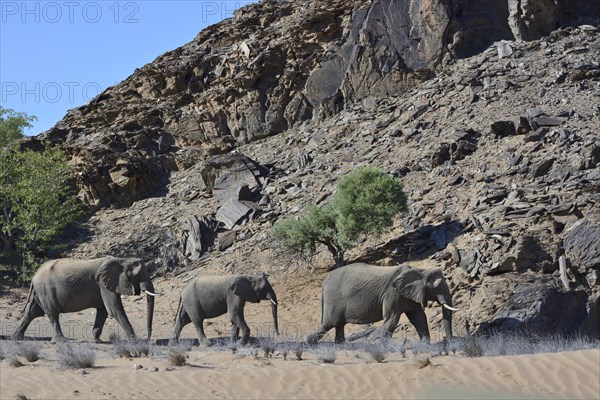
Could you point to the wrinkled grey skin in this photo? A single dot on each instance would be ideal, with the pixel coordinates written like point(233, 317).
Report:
point(363, 294)
point(212, 296)
point(69, 285)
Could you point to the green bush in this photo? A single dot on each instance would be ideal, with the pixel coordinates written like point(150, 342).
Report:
point(36, 203)
point(365, 203)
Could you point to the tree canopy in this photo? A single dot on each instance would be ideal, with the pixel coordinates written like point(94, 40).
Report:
point(12, 125)
point(36, 199)
point(365, 203)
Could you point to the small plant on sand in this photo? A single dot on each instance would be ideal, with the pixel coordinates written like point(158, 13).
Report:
point(178, 356)
point(471, 347)
point(30, 351)
point(376, 352)
point(131, 348)
point(76, 356)
point(285, 351)
point(14, 361)
point(268, 347)
point(326, 354)
point(423, 362)
point(298, 352)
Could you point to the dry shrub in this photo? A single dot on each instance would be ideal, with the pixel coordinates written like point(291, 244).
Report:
point(14, 361)
point(76, 356)
point(326, 354)
point(131, 349)
point(423, 362)
point(178, 356)
point(377, 353)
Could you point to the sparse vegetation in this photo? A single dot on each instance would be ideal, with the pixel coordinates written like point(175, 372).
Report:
point(298, 352)
point(365, 203)
point(14, 361)
point(326, 354)
point(285, 351)
point(178, 356)
point(76, 356)
point(131, 348)
point(30, 351)
point(423, 362)
point(268, 347)
point(378, 353)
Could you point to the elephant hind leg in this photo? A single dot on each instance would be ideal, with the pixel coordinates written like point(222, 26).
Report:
point(317, 335)
point(32, 311)
point(181, 320)
point(101, 315)
point(58, 334)
point(339, 334)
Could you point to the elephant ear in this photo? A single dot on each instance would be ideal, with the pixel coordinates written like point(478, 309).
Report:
point(410, 285)
point(242, 287)
point(111, 275)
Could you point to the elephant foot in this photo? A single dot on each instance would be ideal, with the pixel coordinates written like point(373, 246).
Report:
point(17, 336)
point(312, 339)
point(58, 339)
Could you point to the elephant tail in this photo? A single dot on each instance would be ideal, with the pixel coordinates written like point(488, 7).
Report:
point(178, 310)
point(28, 299)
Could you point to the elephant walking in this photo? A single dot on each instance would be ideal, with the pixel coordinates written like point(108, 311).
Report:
point(69, 285)
point(363, 294)
point(212, 296)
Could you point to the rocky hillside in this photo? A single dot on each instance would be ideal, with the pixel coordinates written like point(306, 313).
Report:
point(487, 110)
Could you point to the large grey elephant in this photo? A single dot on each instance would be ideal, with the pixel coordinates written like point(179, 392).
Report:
point(212, 296)
point(70, 285)
point(362, 294)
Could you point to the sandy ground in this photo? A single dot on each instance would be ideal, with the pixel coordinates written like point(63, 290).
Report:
point(219, 374)
point(216, 373)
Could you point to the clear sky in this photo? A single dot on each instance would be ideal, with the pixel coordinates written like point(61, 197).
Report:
point(58, 55)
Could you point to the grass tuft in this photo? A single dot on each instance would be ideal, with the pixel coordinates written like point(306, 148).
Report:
point(423, 362)
point(131, 348)
point(326, 354)
point(76, 356)
point(298, 352)
point(378, 353)
point(178, 356)
point(14, 361)
point(31, 351)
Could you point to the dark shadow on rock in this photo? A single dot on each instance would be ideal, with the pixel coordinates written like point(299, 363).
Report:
point(416, 245)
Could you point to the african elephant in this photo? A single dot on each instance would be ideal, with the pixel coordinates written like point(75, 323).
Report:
point(362, 294)
point(70, 285)
point(212, 296)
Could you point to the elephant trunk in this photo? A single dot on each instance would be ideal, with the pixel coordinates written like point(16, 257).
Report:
point(446, 301)
point(273, 299)
point(148, 287)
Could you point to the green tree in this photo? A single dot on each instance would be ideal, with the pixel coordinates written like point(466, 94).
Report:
point(36, 201)
point(12, 125)
point(365, 203)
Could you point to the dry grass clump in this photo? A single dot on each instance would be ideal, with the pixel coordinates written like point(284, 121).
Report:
point(423, 362)
point(14, 361)
point(178, 356)
point(76, 356)
point(298, 352)
point(30, 351)
point(268, 347)
point(326, 354)
point(131, 348)
point(378, 353)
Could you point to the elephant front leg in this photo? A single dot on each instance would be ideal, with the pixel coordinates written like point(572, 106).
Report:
point(238, 323)
point(117, 311)
point(101, 315)
point(419, 321)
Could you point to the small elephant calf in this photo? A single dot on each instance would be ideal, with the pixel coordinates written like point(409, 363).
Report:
point(212, 296)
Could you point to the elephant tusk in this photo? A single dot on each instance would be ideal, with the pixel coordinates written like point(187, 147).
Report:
point(149, 293)
point(449, 308)
point(273, 301)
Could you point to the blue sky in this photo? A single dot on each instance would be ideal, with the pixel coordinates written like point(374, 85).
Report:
point(58, 55)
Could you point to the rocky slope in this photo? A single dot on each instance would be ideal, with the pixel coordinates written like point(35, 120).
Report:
point(190, 161)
